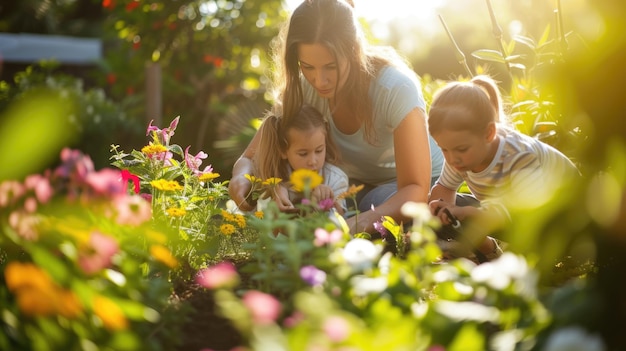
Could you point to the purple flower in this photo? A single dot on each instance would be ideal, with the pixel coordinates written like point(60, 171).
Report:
point(312, 276)
point(380, 228)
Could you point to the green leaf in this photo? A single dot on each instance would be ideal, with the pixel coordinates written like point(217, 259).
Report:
point(489, 55)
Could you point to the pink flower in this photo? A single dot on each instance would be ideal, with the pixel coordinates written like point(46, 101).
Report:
point(106, 182)
point(41, 186)
point(166, 133)
point(326, 204)
point(25, 224)
point(221, 275)
point(126, 176)
point(336, 328)
point(74, 164)
point(264, 308)
point(98, 253)
point(323, 237)
point(10, 191)
point(194, 162)
point(131, 210)
point(294, 319)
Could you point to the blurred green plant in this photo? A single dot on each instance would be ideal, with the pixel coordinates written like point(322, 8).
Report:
point(53, 107)
point(81, 265)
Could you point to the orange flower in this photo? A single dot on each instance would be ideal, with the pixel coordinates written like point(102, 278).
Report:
point(163, 254)
point(110, 313)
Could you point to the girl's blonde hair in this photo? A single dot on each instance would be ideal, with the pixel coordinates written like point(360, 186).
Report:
point(274, 142)
point(331, 23)
point(470, 105)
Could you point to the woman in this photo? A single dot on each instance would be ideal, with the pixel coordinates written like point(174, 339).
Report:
point(372, 100)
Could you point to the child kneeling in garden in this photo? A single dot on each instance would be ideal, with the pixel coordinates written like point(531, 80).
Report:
point(300, 142)
point(502, 167)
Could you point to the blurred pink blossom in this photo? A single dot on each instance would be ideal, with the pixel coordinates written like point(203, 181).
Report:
point(41, 186)
point(24, 224)
point(336, 328)
point(264, 308)
point(106, 182)
point(131, 210)
point(221, 275)
point(10, 192)
point(98, 253)
point(323, 237)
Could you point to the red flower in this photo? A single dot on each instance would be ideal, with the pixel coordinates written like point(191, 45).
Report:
point(111, 78)
point(108, 4)
point(132, 5)
point(126, 176)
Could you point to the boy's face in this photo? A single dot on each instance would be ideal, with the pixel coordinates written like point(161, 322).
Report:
point(307, 149)
point(465, 150)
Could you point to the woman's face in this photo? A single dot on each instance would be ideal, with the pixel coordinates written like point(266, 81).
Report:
point(321, 70)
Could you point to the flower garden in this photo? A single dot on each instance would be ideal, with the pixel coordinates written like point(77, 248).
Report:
point(149, 253)
point(99, 259)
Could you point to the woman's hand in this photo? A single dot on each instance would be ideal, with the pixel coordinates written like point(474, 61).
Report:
point(239, 188)
point(281, 196)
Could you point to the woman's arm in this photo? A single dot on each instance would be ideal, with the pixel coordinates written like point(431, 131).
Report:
point(413, 169)
point(239, 186)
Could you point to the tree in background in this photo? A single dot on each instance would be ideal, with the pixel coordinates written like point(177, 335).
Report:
point(212, 54)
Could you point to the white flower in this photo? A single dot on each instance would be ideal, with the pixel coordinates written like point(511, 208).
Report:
point(574, 339)
point(363, 285)
point(361, 253)
point(506, 270)
point(419, 211)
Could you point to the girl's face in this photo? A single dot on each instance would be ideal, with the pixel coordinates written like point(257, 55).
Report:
point(467, 151)
point(307, 149)
point(321, 70)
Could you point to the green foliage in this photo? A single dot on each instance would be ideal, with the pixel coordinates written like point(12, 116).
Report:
point(186, 198)
point(87, 117)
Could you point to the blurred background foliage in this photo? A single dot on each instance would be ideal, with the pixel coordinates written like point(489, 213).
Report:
point(214, 56)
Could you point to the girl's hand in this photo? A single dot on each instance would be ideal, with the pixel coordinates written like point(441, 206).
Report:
point(322, 192)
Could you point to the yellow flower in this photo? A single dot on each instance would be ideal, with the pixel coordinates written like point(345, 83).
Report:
point(208, 176)
point(110, 313)
point(252, 178)
point(166, 185)
point(273, 181)
point(227, 229)
point(163, 254)
point(153, 149)
point(302, 179)
point(176, 211)
point(228, 217)
point(351, 192)
point(258, 214)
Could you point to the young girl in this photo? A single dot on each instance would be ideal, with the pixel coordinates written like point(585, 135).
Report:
point(502, 167)
point(295, 143)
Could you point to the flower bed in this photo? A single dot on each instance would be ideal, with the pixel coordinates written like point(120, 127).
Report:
point(133, 258)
